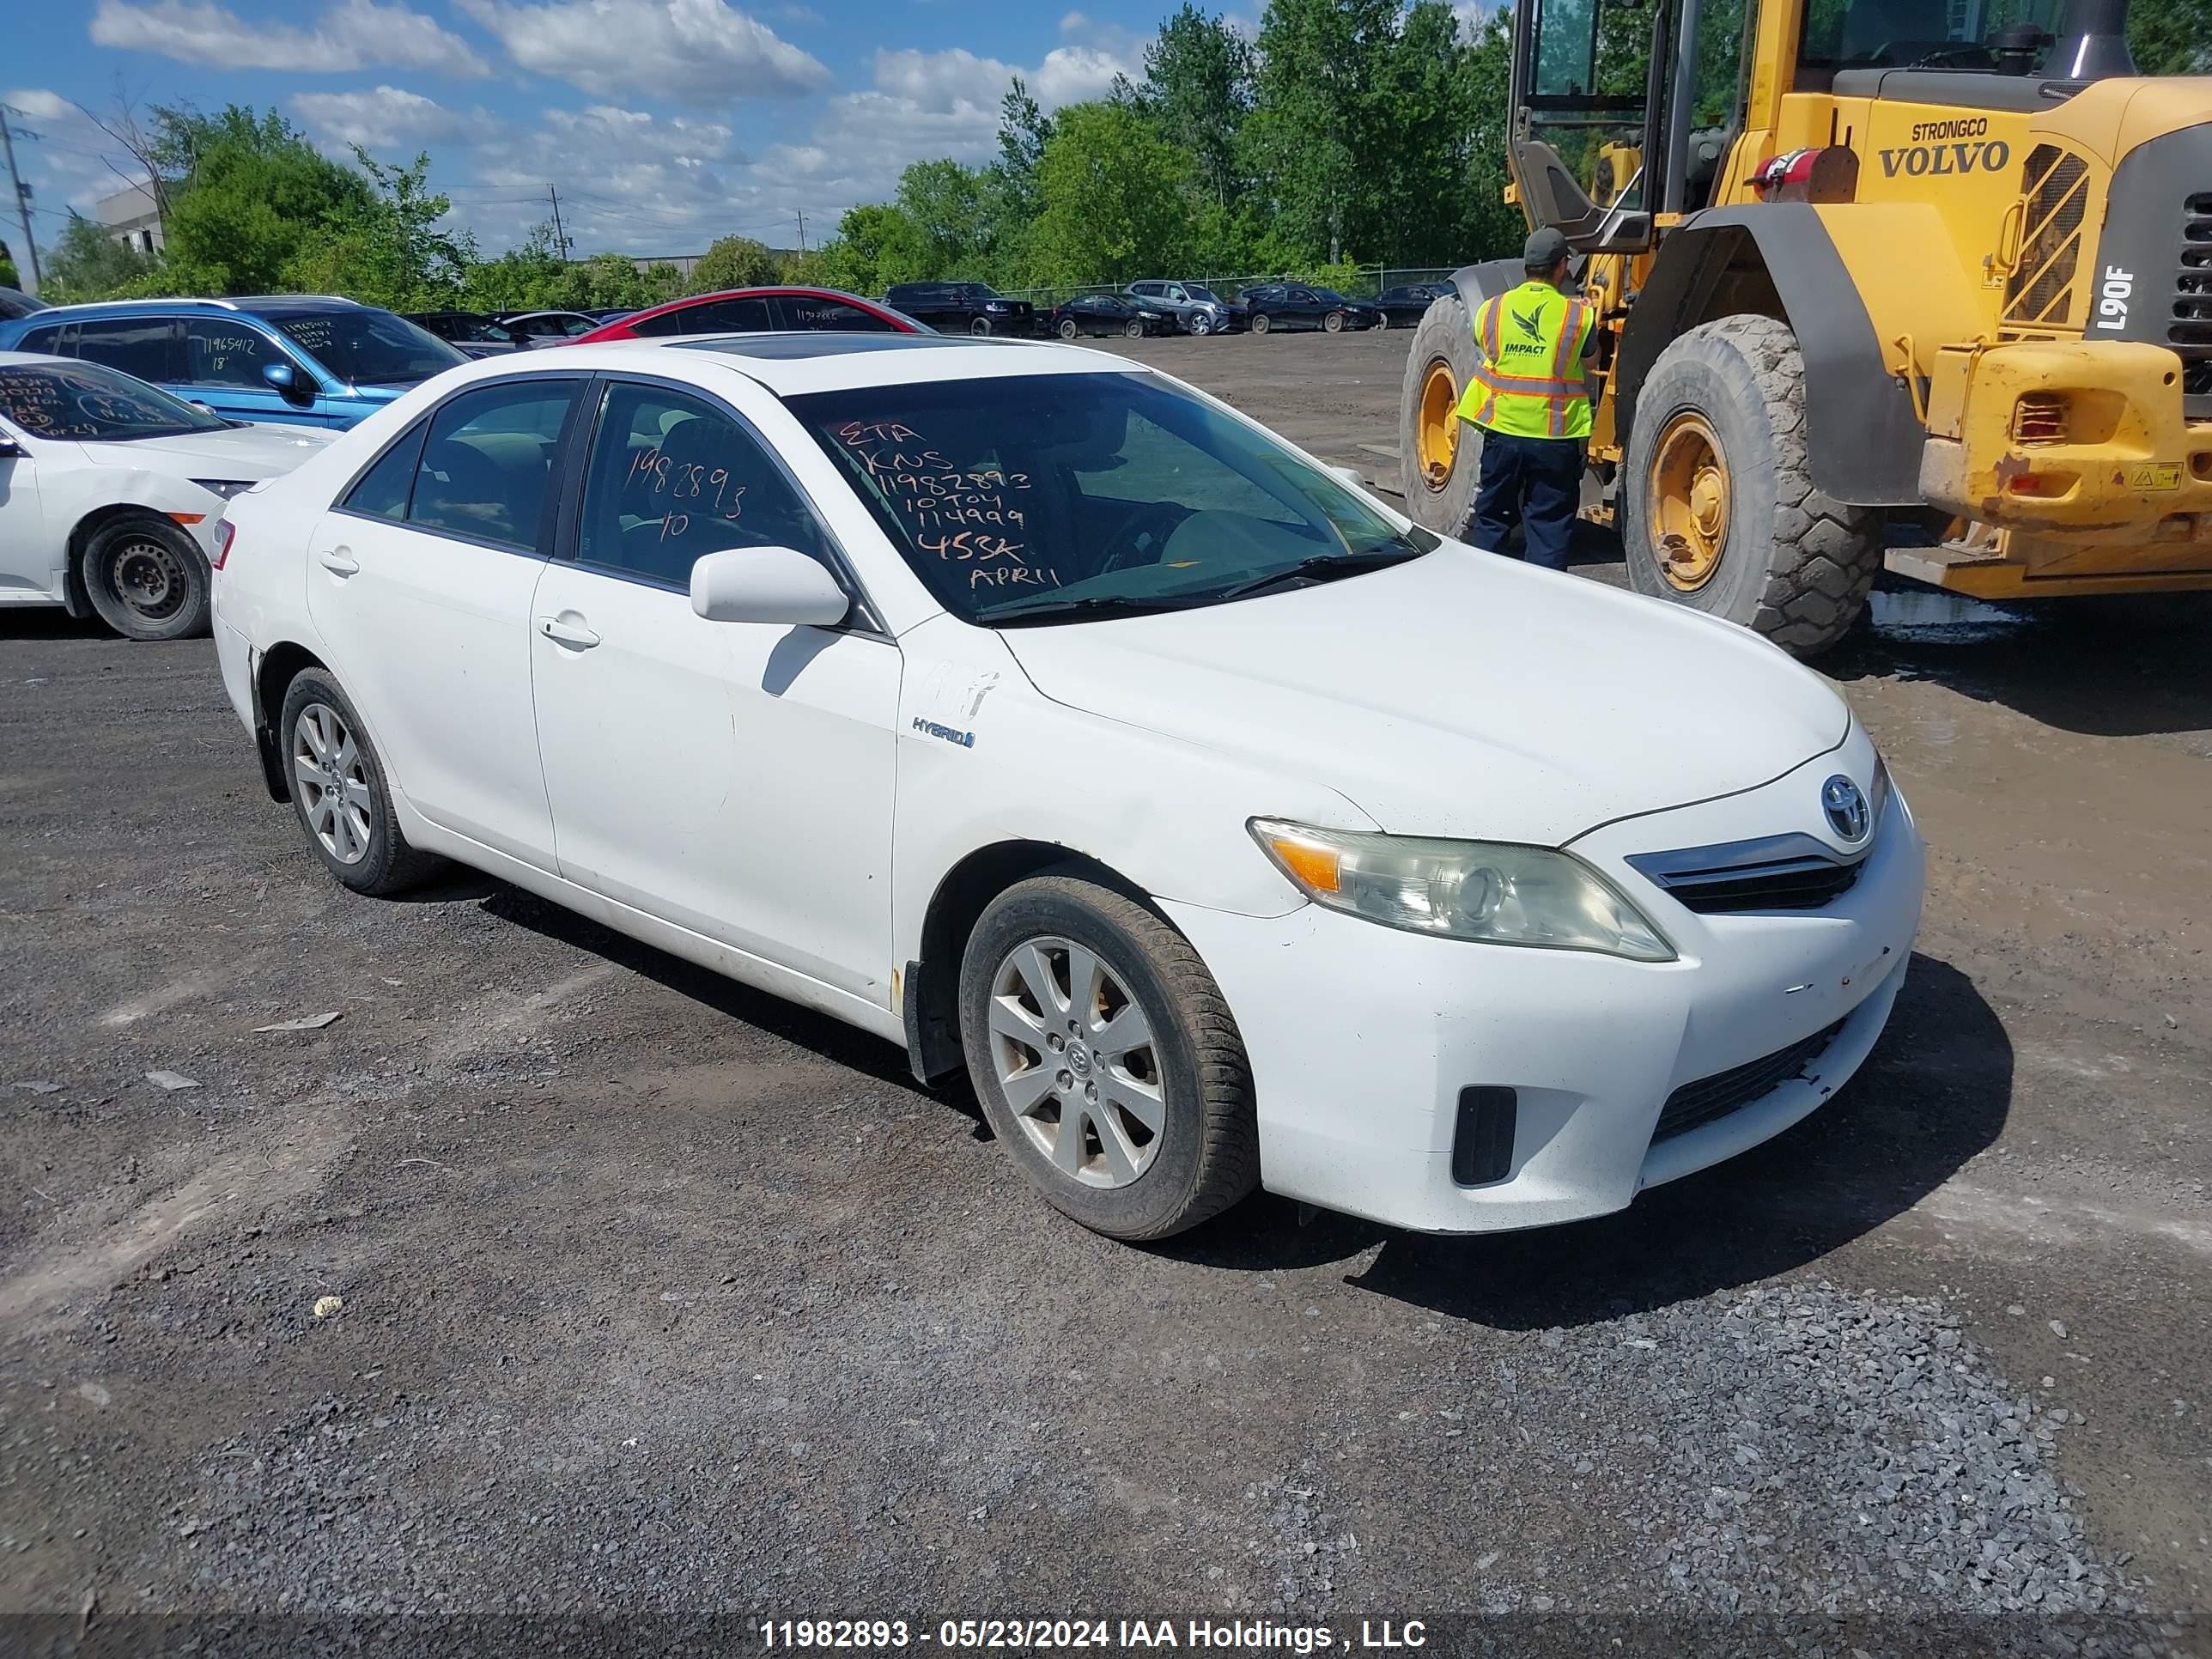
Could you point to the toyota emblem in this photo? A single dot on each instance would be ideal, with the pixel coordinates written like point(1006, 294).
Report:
point(1846, 807)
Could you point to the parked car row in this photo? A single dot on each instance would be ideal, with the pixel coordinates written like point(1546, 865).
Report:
point(1157, 305)
point(487, 334)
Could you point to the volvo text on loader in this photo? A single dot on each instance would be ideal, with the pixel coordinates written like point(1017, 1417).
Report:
point(1921, 282)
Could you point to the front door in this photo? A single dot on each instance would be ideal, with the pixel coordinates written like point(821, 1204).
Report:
point(731, 778)
point(223, 365)
point(420, 583)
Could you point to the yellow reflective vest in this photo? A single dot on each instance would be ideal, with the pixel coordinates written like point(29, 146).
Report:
point(1530, 380)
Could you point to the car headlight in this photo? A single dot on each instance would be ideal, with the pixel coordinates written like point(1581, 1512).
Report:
point(995, 305)
point(226, 488)
point(1494, 892)
point(1878, 792)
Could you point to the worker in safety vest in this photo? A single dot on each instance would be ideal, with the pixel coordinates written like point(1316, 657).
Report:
point(1527, 397)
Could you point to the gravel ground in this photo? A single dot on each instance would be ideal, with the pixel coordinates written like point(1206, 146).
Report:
point(559, 1297)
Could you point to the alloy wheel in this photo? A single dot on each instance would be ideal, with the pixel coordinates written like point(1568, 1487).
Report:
point(331, 774)
point(1076, 1059)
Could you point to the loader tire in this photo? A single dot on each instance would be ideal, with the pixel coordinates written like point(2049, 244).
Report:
point(1439, 363)
point(1718, 509)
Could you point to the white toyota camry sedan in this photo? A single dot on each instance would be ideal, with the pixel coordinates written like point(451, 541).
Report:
point(1040, 713)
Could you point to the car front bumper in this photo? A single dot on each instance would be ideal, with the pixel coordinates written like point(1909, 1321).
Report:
point(1361, 1036)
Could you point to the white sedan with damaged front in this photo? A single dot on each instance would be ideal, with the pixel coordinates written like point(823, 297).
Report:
point(1036, 711)
point(111, 491)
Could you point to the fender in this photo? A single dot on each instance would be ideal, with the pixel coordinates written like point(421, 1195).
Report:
point(1862, 432)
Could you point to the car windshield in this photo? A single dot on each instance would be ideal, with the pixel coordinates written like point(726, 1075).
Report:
point(1206, 294)
point(480, 328)
point(370, 348)
point(1040, 498)
point(1328, 296)
point(89, 404)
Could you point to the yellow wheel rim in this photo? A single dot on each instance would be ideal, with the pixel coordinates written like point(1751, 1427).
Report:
point(1688, 498)
point(1437, 433)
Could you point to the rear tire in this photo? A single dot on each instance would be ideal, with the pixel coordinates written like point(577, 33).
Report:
point(1440, 362)
point(1067, 328)
point(1787, 561)
point(148, 578)
point(1189, 1071)
point(339, 791)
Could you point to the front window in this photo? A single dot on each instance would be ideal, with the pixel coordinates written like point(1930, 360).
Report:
point(1203, 295)
point(1045, 497)
point(370, 348)
point(1842, 34)
point(220, 352)
point(85, 402)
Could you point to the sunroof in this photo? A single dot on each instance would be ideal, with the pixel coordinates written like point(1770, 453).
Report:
point(826, 344)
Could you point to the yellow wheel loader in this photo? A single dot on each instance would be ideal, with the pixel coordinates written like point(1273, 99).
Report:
point(1920, 283)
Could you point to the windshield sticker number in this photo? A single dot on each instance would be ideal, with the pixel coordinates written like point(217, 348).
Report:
point(960, 516)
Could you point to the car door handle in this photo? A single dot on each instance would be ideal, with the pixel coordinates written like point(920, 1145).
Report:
point(339, 562)
point(562, 631)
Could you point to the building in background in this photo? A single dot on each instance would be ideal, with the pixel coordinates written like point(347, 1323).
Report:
point(131, 217)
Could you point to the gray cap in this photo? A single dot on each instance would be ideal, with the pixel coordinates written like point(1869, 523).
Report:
point(1545, 248)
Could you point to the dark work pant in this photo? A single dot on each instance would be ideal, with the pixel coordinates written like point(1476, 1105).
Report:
point(1536, 483)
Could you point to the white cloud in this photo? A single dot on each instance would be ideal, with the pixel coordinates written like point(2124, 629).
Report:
point(691, 51)
point(389, 119)
point(351, 34)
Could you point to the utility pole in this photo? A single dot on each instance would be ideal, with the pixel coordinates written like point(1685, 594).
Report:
point(560, 236)
point(801, 212)
point(22, 194)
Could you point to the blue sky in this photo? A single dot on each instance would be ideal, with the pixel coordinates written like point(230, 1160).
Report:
point(664, 123)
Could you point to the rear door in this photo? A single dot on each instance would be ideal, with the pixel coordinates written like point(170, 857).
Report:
point(146, 346)
point(29, 560)
point(420, 582)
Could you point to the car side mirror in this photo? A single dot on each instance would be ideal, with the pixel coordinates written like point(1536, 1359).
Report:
point(1348, 476)
point(285, 380)
point(768, 584)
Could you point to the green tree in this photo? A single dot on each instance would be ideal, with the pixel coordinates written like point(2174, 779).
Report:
point(876, 245)
point(1115, 198)
point(732, 262)
point(1198, 86)
point(248, 195)
point(87, 263)
point(7, 277)
point(392, 253)
point(2171, 37)
point(948, 207)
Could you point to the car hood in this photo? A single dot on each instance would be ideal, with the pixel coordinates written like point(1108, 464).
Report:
point(263, 450)
point(1458, 695)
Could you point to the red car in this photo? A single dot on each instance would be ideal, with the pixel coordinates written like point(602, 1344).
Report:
point(757, 311)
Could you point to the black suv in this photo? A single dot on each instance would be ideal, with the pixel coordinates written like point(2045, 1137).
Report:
point(963, 307)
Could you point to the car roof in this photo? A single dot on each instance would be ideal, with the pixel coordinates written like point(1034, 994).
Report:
point(17, 359)
point(793, 365)
point(260, 305)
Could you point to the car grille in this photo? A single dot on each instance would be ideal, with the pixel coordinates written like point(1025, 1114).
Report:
point(1709, 1098)
point(1777, 872)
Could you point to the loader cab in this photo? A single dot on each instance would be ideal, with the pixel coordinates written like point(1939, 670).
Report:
point(1623, 109)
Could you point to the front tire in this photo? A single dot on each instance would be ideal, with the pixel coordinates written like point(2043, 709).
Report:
point(1132, 330)
point(1718, 509)
point(1201, 325)
point(1106, 1059)
point(1260, 324)
point(979, 326)
point(1334, 322)
point(339, 791)
point(148, 578)
point(1440, 456)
